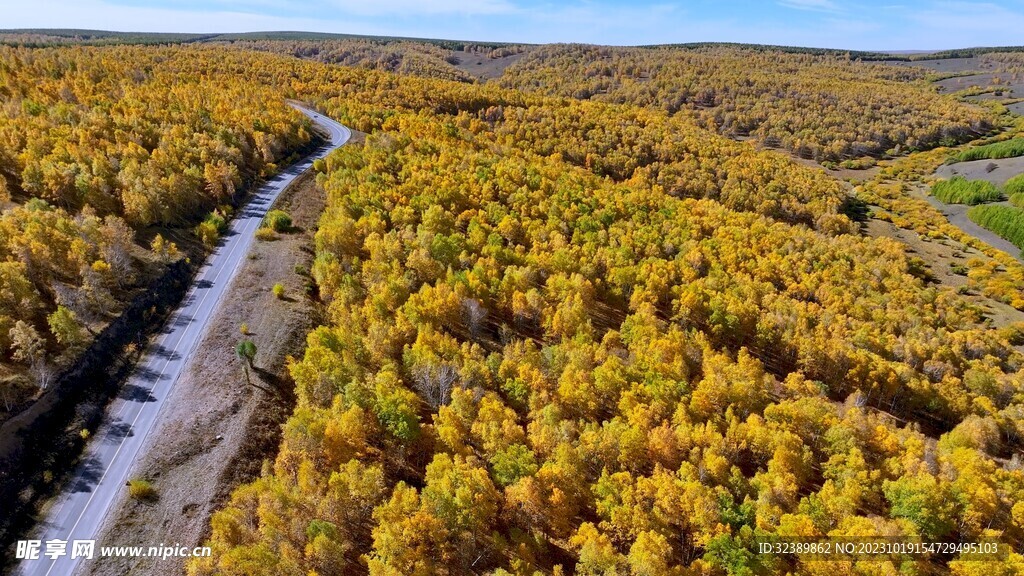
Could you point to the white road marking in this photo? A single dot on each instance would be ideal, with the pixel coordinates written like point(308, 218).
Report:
point(219, 263)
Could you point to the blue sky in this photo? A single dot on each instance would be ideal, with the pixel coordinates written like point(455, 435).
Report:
point(869, 25)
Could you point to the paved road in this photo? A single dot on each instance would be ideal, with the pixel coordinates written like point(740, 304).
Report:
point(100, 479)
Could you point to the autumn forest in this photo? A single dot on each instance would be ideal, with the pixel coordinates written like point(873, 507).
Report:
point(604, 311)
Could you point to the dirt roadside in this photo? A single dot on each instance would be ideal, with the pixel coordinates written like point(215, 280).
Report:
point(995, 171)
point(957, 216)
point(216, 431)
point(944, 258)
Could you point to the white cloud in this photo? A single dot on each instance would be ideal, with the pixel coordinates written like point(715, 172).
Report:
point(423, 7)
point(933, 24)
point(961, 17)
point(812, 5)
point(101, 15)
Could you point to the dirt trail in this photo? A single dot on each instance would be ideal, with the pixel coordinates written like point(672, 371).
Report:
point(957, 216)
point(1005, 168)
point(946, 259)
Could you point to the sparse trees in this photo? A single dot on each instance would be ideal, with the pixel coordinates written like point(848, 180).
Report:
point(165, 251)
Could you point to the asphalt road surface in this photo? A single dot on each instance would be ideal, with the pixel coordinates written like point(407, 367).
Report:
point(100, 479)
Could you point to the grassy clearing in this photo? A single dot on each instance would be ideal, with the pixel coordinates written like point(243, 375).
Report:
point(1007, 149)
point(959, 190)
point(1006, 221)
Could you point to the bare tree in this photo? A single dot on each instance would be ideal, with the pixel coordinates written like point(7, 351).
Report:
point(42, 371)
point(117, 250)
point(475, 314)
point(30, 349)
point(434, 382)
point(5, 394)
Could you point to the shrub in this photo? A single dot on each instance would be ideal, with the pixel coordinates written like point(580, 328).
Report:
point(217, 219)
point(1014, 185)
point(210, 229)
point(278, 221)
point(265, 234)
point(279, 290)
point(959, 190)
point(859, 163)
point(1005, 149)
point(1006, 221)
point(208, 234)
point(141, 489)
point(244, 329)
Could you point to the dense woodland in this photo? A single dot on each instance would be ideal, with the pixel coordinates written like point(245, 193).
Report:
point(419, 58)
point(589, 338)
point(826, 107)
point(94, 146)
point(562, 336)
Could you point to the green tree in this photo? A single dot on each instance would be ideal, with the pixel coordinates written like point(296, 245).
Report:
point(512, 463)
point(245, 351)
point(925, 501)
point(65, 327)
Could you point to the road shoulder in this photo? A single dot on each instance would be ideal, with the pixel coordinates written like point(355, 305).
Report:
point(215, 430)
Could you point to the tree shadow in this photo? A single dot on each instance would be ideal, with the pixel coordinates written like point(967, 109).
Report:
point(88, 476)
point(147, 374)
point(181, 321)
point(276, 382)
point(116, 432)
point(855, 209)
point(136, 393)
point(165, 353)
point(282, 388)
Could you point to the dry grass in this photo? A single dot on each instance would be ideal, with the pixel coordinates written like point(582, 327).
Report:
point(142, 490)
point(215, 431)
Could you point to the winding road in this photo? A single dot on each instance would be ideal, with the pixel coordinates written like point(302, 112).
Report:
point(957, 216)
point(100, 479)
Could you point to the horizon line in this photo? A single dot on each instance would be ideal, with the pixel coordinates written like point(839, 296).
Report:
point(211, 35)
